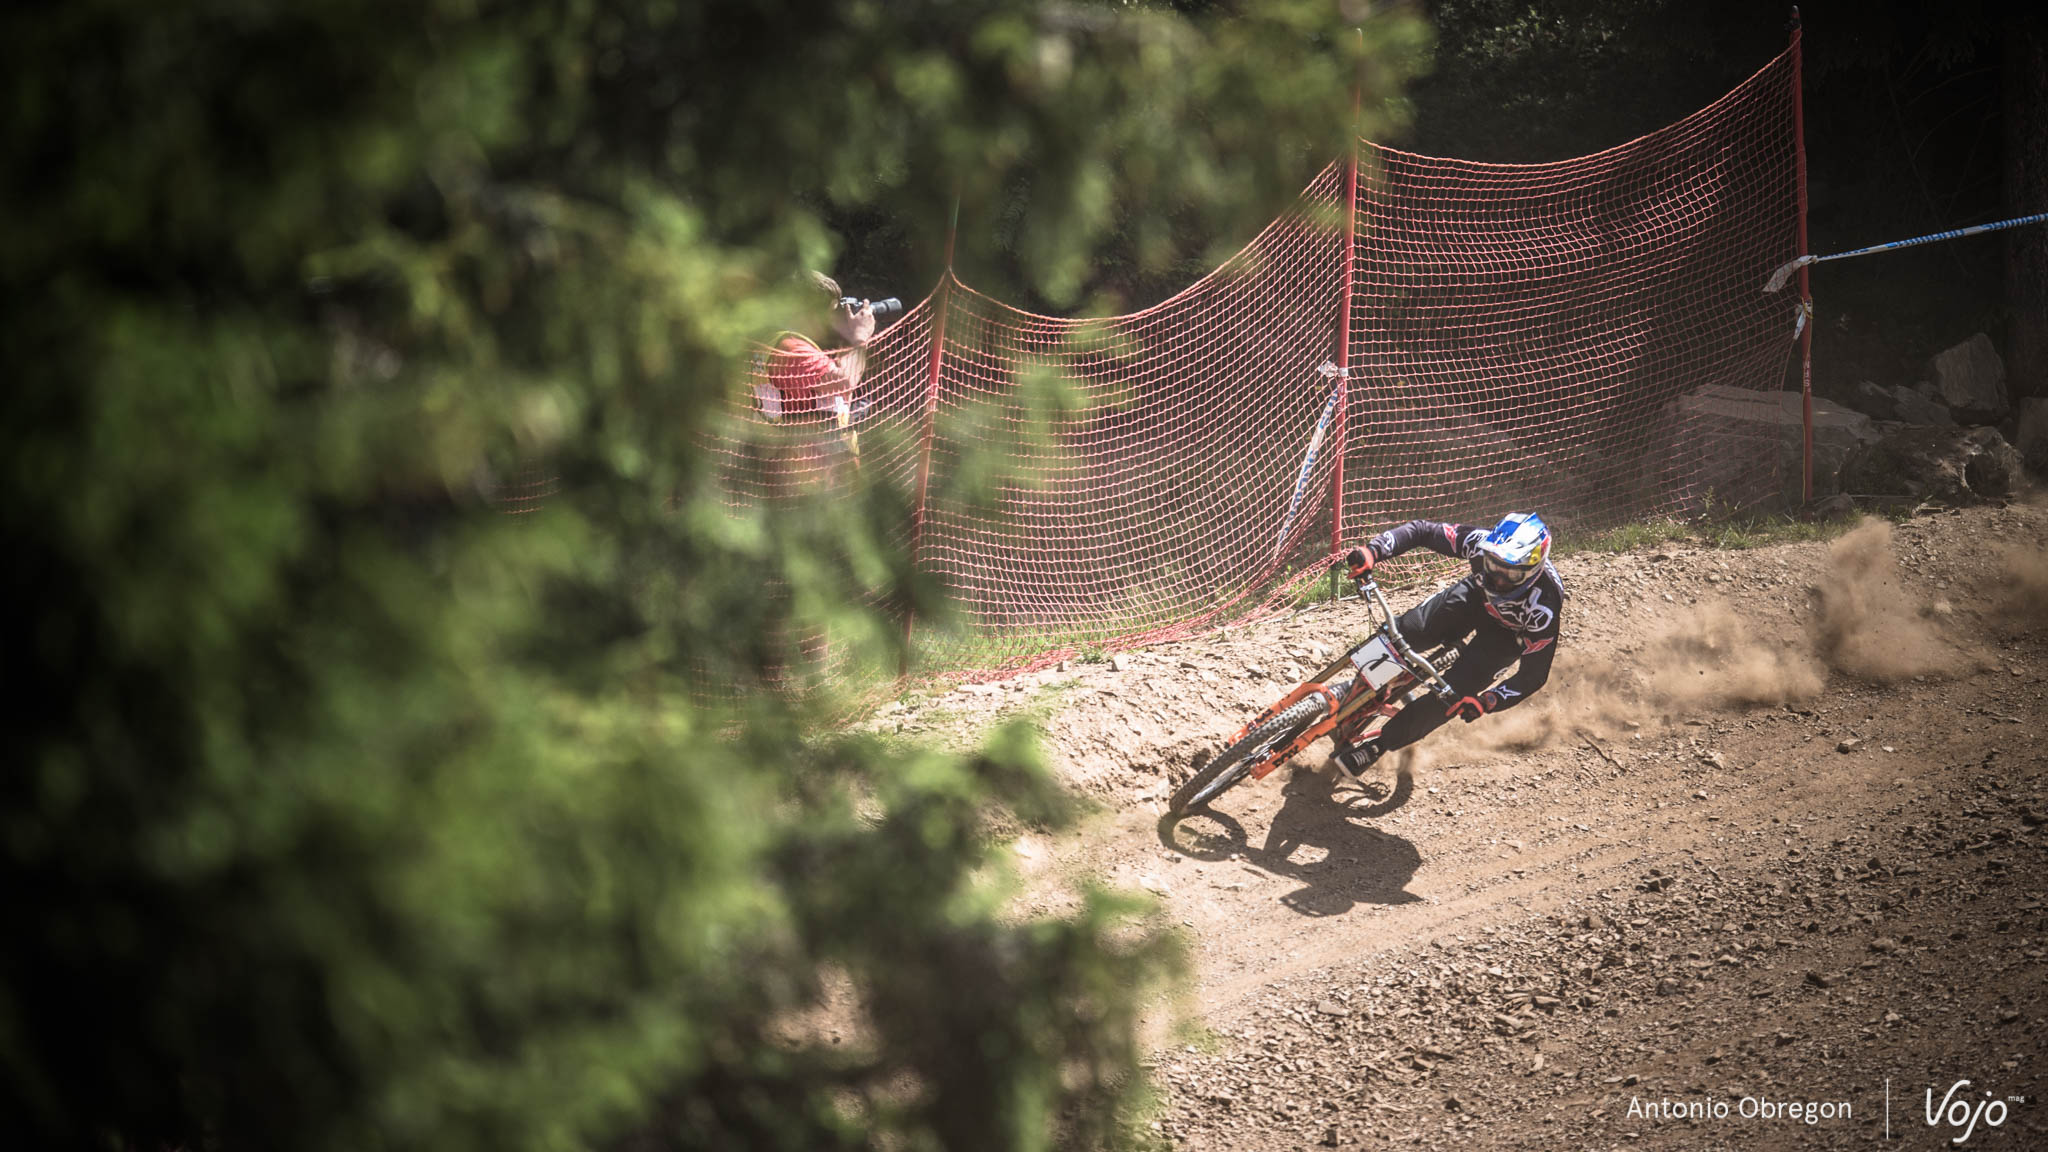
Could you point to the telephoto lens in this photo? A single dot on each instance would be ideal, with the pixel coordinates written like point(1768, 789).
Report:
point(887, 306)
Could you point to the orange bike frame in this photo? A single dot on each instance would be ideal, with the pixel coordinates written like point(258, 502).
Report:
point(1340, 711)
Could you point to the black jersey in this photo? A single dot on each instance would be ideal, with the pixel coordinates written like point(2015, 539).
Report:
point(1534, 613)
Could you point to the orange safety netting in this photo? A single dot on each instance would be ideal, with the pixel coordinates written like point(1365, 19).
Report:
point(1569, 338)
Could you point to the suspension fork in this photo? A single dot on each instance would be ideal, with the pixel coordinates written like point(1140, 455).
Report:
point(1300, 692)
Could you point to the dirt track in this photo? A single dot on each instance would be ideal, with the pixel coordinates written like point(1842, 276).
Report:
point(1771, 837)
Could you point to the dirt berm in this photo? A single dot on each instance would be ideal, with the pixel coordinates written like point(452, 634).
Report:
point(1763, 867)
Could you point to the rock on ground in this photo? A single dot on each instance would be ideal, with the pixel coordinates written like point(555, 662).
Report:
point(1901, 404)
point(1971, 380)
point(1714, 430)
point(1948, 465)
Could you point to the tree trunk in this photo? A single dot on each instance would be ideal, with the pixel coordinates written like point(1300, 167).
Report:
point(2026, 193)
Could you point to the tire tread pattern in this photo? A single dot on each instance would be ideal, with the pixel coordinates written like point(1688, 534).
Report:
point(1230, 765)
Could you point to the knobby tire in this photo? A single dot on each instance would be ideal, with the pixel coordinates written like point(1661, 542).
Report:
point(1234, 763)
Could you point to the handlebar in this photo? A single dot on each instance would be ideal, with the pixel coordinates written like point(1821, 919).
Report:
point(1369, 591)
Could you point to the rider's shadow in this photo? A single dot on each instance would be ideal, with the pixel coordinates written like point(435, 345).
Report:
point(1359, 864)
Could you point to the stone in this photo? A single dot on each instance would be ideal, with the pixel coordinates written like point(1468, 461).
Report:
point(1948, 465)
point(1836, 507)
point(1739, 441)
point(1917, 409)
point(1891, 402)
point(1970, 378)
point(1874, 400)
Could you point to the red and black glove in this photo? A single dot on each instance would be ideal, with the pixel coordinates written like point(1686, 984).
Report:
point(1470, 708)
point(1360, 561)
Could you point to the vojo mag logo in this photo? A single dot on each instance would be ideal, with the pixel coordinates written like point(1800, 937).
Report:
point(1964, 1111)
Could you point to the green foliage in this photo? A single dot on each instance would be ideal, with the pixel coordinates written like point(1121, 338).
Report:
point(1232, 108)
point(1760, 531)
point(1629, 537)
point(348, 811)
point(1736, 531)
point(1521, 81)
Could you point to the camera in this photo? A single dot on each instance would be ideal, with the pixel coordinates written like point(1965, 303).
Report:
point(888, 306)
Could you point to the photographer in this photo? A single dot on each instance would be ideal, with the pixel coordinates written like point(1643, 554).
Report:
point(798, 382)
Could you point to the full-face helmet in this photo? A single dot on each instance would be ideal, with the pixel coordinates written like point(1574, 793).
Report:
point(1513, 553)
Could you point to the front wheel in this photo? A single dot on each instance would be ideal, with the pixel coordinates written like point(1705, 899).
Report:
point(1234, 763)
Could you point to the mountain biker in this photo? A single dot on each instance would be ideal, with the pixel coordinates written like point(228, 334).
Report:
point(1510, 608)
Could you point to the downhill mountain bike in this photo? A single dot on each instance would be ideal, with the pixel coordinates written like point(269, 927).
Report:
point(1384, 674)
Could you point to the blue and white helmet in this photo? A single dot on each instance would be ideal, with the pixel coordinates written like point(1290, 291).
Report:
point(1513, 553)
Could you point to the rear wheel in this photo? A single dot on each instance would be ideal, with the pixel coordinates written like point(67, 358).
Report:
point(1234, 763)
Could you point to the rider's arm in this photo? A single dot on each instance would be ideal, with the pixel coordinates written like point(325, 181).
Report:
point(1460, 541)
point(1533, 672)
point(1539, 646)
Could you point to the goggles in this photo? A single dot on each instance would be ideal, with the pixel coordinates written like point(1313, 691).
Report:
point(1500, 576)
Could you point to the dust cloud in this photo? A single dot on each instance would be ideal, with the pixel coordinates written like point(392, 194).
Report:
point(1866, 624)
point(1581, 696)
point(1708, 657)
point(2025, 587)
point(1713, 658)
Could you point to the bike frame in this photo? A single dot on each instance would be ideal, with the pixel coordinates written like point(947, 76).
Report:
point(1360, 695)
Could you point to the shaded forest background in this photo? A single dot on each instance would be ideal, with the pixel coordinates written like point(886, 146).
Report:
point(1920, 118)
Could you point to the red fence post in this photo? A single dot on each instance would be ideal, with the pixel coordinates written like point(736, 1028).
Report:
point(1344, 332)
point(1805, 293)
point(931, 417)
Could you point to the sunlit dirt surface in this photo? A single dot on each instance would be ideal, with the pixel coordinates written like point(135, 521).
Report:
point(1763, 867)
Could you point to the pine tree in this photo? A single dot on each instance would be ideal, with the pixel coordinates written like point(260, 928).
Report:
point(347, 810)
